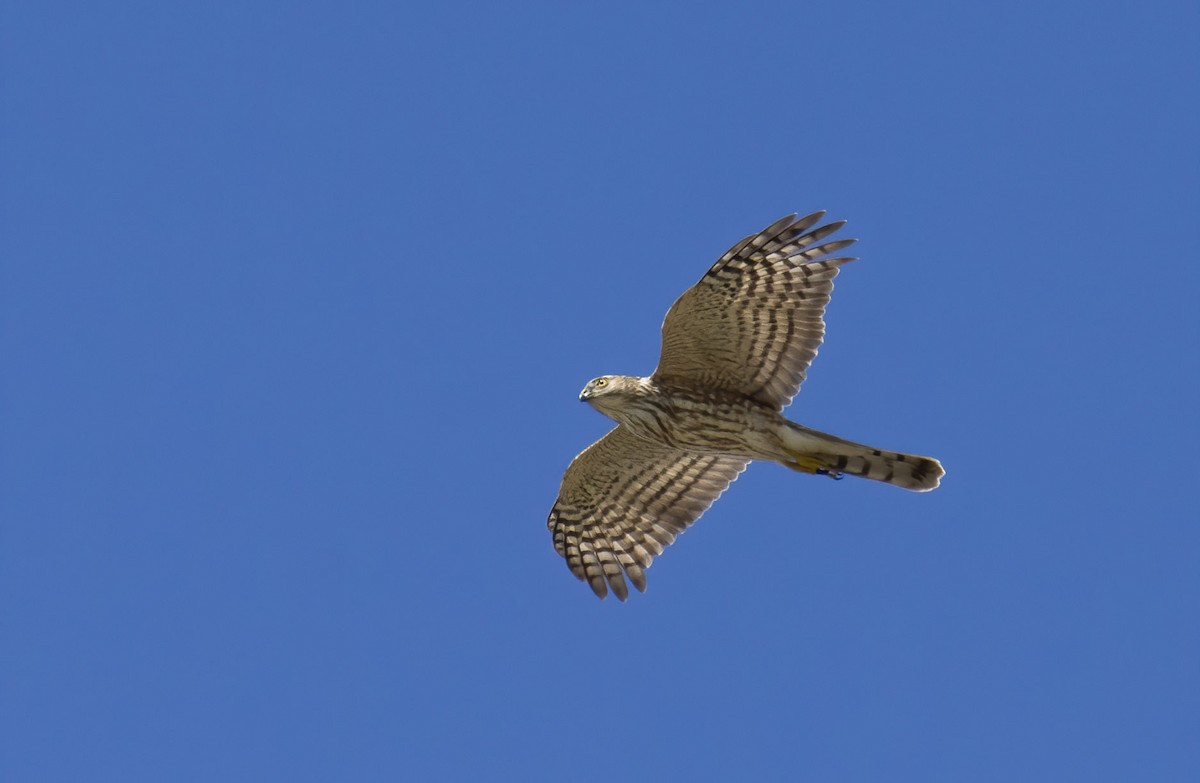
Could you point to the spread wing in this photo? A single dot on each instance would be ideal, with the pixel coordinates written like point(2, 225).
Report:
point(624, 499)
point(754, 322)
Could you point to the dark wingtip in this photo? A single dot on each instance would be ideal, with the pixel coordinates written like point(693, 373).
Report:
point(637, 576)
point(599, 587)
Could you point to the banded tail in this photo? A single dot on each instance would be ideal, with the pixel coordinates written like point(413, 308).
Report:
point(811, 451)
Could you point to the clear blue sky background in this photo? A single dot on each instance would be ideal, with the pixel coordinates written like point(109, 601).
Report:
point(297, 300)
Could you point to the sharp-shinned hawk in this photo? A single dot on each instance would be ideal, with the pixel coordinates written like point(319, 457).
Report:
point(735, 349)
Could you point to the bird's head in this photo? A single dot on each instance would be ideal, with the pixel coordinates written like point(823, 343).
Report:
point(610, 393)
point(599, 387)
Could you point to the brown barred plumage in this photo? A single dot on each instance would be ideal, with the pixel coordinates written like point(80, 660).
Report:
point(736, 347)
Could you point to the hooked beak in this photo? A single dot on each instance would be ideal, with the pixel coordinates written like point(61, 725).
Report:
point(584, 395)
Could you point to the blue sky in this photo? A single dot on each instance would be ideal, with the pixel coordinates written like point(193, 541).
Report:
point(296, 301)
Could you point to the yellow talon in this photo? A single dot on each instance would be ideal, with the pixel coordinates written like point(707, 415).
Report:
point(806, 463)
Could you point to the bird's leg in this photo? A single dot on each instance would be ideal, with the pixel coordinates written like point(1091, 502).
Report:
point(808, 463)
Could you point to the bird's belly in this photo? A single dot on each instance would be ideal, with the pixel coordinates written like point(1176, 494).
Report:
point(741, 431)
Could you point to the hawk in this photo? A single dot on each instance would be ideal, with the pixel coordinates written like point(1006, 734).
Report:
point(735, 349)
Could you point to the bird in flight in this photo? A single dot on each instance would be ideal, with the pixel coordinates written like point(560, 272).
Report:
point(735, 349)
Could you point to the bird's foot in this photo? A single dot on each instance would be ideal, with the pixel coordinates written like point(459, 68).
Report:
point(807, 463)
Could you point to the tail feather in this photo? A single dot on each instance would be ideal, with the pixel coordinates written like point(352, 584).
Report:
point(811, 451)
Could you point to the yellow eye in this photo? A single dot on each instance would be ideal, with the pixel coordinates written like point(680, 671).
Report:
point(601, 383)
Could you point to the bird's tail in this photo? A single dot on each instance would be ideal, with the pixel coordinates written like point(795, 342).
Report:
point(810, 451)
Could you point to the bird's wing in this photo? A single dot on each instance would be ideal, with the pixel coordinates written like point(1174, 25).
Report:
point(754, 322)
point(624, 499)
